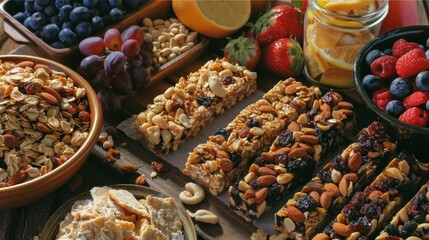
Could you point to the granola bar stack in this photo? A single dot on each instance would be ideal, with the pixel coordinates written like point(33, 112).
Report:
point(293, 155)
point(220, 161)
point(184, 109)
point(368, 210)
point(335, 183)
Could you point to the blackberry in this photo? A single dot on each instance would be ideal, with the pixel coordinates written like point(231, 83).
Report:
point(306, 203)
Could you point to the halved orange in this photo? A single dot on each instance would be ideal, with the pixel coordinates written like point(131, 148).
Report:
point(213, 18)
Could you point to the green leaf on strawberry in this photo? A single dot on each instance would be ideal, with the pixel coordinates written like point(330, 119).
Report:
point(244, 51)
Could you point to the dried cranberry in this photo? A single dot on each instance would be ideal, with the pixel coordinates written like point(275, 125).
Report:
point(361, 225)
point(325, 175)
point(259, 161)
point(285, 138)
point(227, 80)
point(282, 158)
point(412, 210)
point(377, 130)
point(391, 230)
point(177, 105)
point(253, 122)
point(235, 158)
point(384, 184)
point(358, 199)
point(30, 88)
point(351, 212)
point(371, 210)
point(340, 164)
point(306, 203)
point(223, 132)
point(205, 101)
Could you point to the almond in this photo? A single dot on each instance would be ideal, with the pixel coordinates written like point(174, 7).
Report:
point(346, 112)
point(309, 139)
point(41, 127)
point(343, 187)
point(351, 177)
point(249, 194)
point(281, 150)
point(345, 105)
point(330, 187)
point(47, 69)
point(267, 157)
point(68, 92)
point(140, 180)
point(326, 199)
point(260, 195)
point(244, 132)
point(355, 161)
point(266, 180)
point(342, 229)
point(294, 126)
point(53, 93)
point(293, 88)
point(295, 214)
point(297, 153)
point(315, 186)
point(374, 194)
point(128, 167)
point(315, 195)
point(11, 141)
point(49, 98)
point(321, 236)
point(266, 171)
point(226, 165)
point(307, 147)
point(17, 178)
point(25, 64)
point(266, 109)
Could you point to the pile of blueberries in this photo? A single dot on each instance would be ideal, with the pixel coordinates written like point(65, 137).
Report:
point(63, 23)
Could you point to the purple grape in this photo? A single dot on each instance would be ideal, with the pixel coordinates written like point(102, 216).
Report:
point(140, 77)
point(91, 65)
point(146, 58)
point(110, 101)
point(114, 63)
point(101, 80)
point(122, 83)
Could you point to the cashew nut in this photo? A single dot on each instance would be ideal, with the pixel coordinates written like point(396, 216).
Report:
point(204, 216)
point(193, 194)
point(217, 87)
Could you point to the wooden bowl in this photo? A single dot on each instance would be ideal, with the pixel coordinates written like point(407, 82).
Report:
point(51, 227)
point(34, 189)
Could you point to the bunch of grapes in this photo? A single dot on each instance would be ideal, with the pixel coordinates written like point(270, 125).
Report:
point(116, 64)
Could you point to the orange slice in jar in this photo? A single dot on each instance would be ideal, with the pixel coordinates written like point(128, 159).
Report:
point(342, 56)
point(320, 36)
point(346, 5)
point(336, 77)
point(315, 64)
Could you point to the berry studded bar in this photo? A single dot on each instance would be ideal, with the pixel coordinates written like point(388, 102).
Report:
point(412, 220)
point(368, 210)
point(185, 108)
point(220, 161)
point(304, 214)
point(294, 154)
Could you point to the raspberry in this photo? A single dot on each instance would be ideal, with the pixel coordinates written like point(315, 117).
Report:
point(401, 47)
point(412, 63)
point(382, 97)
point(413, 116)
point(384, 67)
point(415, 99)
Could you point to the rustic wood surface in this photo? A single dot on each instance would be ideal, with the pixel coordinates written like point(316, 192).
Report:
point(26, 222)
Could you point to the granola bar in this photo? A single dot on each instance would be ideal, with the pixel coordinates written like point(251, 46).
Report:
point(335, 183)
point(368, 210)
point(217, 163)
point(294, 153)
point(411, 220)
point(181, 111)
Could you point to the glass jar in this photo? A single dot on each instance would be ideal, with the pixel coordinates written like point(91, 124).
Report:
point(334, 34)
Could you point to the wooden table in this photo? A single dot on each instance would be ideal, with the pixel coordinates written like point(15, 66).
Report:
point(26, 222)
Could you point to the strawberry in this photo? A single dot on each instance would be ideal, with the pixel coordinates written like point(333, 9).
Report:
point(244, 51)
point(283, 57)
point(282, 21)
point(300, 5)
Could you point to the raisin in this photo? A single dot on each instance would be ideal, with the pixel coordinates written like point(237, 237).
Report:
point(329, 229)
point(253, 122)
point(282, 158)
point(223, 132)
point(306, 203)
point(255, 184)
point(419, 199)
point(227, 80)
point(30, 88)
point(177, 105)
point(391, 230)
point(259, 161)
point(361, 225)
point(410, 226)
point(285, 138)
point(273, 193)
point(235, 158)
point(205, 101)
point(340, 164)
point(419, 217)
point(236, 196)
point(325, 175)
point(296, 165)
point(371, 210)
point(425, 208)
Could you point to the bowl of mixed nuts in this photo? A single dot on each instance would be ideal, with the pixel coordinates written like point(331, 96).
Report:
point(50, 119)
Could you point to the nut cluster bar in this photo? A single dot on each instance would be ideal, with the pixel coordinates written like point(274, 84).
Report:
point(184, 109)
point(334, 184)
point(368, 210)
point(412, 220)
point(220, 161)
point(295, 153)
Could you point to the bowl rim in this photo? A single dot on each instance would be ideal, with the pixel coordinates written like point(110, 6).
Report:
point(94, 128)
point(361, 90)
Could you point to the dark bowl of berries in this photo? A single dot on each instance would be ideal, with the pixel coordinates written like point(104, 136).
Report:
point(392, 78)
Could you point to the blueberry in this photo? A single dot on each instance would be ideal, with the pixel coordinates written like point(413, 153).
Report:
point(65, 12)
point(77, 4)
point(131, 4)
point(51, 10)
point(80, 14)
point(106, 20)
point(372, 55)
point(57, 45)
point(395, 108)
point(422, 80)
point(50, 32)
point(103, 7)
point(97, 23)
point(391, 230)
point(43, 2)
point(29, 6)
point(90, 3)
point(20, 17)
point(68, 25)
point(116, 15)
point(410, 226)
point(60, 3)
point(38, 7)
point(372, 82)
point(27, 22)
point(83, 30)
point(427, 105)
point(94, 12)
point(67, 37)
point(115, 3)
point(400, 88)
point(388, 51)
point(38, 20)
point(56, 20)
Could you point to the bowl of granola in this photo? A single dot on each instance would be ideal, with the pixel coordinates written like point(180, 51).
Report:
point(51, 119)
point(121, 212)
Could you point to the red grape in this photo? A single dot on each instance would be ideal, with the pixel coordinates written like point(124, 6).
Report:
point(92, 46)
point(122, 83)
point(130, 47)
point(140, 76)
point(112, 39)
point(110, 101)
point(91, 65)
point(114, 62)
point(133, 32)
